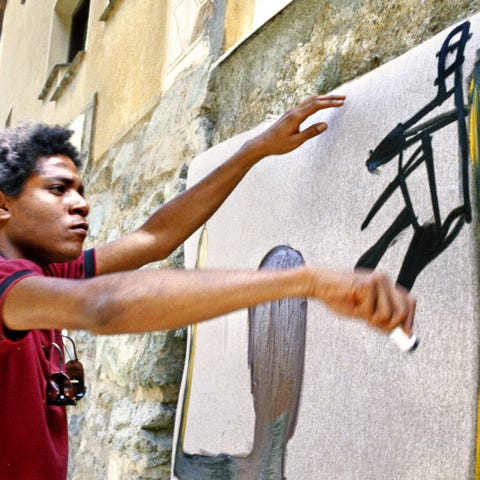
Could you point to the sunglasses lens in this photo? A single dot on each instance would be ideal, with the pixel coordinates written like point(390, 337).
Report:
point(59, 390)
point(74, 370)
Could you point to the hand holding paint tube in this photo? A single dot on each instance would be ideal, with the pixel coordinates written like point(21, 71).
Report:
point(402, 335)
point(368, 295)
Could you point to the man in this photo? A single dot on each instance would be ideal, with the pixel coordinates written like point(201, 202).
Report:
point(47, 283)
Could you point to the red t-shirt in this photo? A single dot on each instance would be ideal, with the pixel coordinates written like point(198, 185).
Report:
point(33, 435)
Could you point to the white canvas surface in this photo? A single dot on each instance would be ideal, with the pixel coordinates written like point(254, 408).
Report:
point(367, 411)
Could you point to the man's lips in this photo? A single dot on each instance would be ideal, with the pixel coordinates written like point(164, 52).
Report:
point(81, 227)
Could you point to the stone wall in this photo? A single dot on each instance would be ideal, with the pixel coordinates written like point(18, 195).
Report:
point(312, 47)
point(124, 428)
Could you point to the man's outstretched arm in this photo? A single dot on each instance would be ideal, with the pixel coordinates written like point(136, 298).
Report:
point(148, 300)
point(175, 221)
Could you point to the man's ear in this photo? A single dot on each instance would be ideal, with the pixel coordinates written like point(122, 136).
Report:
point(4, 210)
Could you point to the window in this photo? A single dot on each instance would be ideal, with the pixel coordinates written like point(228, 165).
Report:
point(78, 33)
point(186, 31)
point(67, 45)
point(83, 126)
point(185, 27)
point(3, 6)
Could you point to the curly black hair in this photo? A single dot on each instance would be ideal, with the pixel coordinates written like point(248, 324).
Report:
point(22, 146)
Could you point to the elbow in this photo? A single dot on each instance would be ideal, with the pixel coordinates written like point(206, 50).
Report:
point(99, 313)
point(100, 325)
point(104, 319)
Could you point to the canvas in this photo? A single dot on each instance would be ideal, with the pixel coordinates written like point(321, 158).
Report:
point(391, 186)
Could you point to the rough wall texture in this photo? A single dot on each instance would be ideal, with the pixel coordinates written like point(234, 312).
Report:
point(123, 429)
point(312, 47)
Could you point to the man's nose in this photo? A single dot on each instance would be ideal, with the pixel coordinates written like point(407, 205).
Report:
point(79, 205)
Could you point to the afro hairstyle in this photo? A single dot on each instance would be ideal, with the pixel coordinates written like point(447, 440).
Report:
point(22, 146)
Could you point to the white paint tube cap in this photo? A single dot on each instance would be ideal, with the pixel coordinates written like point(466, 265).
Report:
point(404, 341)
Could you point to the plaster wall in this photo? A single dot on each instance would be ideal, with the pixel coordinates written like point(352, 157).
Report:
point(123, 65)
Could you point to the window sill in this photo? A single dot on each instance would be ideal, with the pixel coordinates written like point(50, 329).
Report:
point(60, 76)
point(108, 10)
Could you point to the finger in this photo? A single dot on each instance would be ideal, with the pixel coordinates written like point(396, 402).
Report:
point(405, 306)
point(321, 98)
point(291, 120)
point(315, 104)
point(408, 324)
point(365, 297)
point(310, 132)
point(384, 309)
point(300, 113)
point(401, 310)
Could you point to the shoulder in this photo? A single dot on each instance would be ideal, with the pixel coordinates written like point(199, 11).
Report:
point(12, 270)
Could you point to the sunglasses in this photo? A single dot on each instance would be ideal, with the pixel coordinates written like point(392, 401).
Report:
point(66, 386)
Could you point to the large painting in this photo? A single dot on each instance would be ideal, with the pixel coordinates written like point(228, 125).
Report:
point(291, 390)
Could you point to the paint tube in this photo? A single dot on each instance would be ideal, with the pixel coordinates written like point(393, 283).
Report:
point(404, 341)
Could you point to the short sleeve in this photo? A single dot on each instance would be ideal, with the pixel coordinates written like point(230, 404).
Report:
point(11, 271)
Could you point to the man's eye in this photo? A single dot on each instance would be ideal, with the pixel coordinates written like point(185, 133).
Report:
point(57, 189)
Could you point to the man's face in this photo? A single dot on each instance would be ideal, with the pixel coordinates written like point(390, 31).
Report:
point(47, 221)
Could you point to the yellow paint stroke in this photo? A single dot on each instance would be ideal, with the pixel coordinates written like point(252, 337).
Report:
point(474, 94)
point(474, 101)
point(200, 264)
point(477, 465)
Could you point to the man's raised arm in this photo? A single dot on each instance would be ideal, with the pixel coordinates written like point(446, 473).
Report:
point(175, 221)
